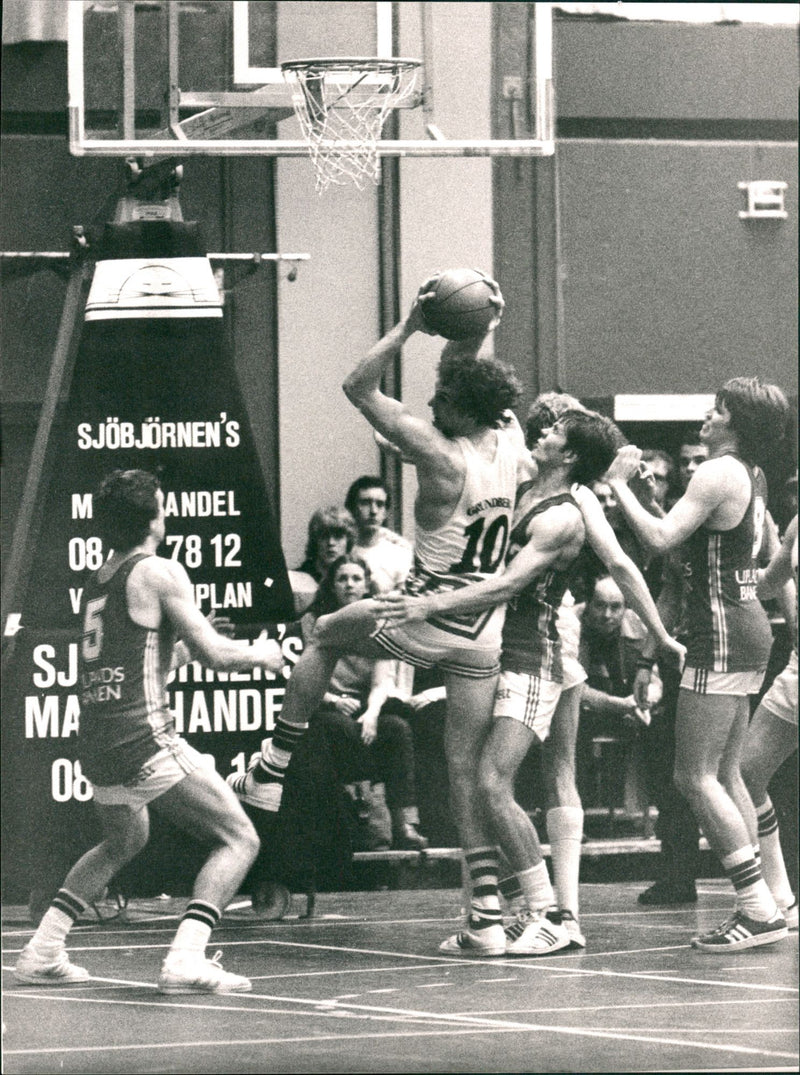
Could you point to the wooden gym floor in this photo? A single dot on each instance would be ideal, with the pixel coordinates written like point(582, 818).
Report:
point(361, 987)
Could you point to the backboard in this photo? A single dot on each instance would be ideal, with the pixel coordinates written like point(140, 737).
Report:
point(175, 78)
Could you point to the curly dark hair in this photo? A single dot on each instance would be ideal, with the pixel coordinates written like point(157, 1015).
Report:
point(482, 388)
point(124, 506)
point(594, 439)
point(759, 414)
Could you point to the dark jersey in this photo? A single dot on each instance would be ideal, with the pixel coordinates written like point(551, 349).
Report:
point(530, 636)
point(122, 670)
point(727, 627)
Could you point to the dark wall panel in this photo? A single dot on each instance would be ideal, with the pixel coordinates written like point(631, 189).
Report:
point(665, 288)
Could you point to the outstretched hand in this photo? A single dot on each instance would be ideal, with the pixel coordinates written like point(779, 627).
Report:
point(394, 609)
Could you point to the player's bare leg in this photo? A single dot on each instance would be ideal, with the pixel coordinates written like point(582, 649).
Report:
point(564, 810)
point(44, 959)
point(709, 729)
point(203, 805)
point(532, 933)
point(346, 631)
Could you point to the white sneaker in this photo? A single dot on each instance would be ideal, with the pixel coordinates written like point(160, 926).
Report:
point(570, 923)
point(489, 941)
point(190, 972)
point(534, 934)
point(790, 914)
point(249, 790)
point(35, 968)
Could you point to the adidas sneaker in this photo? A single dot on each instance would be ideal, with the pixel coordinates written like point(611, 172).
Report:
point(37, 968)
point(740, 931)
point(790, 914)
point(489, 941)
point(190, 972)
point(249, 790)
point(534, 934)
point(570, 923)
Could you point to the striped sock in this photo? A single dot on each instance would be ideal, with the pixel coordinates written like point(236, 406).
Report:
point(276, 752)
point(483, 866)
point(510, 890)
point(194, 928)
point(773, 864)
point(58, 920)
point(752, 892)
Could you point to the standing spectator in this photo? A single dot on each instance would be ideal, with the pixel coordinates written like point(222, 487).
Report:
point(678, 862)
point(691, 453)
point(331, 534)
point(388, 555)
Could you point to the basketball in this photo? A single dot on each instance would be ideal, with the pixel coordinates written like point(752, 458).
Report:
point(461, 305)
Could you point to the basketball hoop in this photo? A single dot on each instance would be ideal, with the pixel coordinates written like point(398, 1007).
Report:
point(342, 104)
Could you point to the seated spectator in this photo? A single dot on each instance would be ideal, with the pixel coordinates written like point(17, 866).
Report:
point(612, 639)
point(365, 736)
point(388, 555)
point(331, 534)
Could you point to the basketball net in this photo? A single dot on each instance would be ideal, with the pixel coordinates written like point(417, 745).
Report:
point(341, 105)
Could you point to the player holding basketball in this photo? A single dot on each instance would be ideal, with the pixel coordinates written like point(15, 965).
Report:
point(719, 523)
point(135, 609)
point(547, 536)
point(467, 471)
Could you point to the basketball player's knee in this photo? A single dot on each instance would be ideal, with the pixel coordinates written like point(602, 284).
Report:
point(494, 782)
point(126, 844)
point(242, 837)
point(693, 784)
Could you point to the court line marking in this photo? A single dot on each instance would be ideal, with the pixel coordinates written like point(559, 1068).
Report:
point(464, 1026)
point(456, 961)
point(355, 919)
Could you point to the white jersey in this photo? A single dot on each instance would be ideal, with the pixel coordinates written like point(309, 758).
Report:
point(469, 547)
point(474, 539)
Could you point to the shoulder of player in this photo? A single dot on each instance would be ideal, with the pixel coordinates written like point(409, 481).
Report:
point(562, 518)
point(717, 478)
point(158, 572)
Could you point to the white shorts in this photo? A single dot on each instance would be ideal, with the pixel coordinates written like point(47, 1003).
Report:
point(161, 772)
point(530, 700)
point(703, 681)
point(781, 698)
point(426, 646)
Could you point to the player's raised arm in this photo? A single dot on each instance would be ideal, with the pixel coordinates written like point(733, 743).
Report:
point(709, 487)
point(622, 569)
